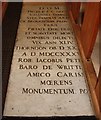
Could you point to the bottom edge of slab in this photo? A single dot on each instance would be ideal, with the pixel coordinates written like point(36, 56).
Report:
point(50, 118)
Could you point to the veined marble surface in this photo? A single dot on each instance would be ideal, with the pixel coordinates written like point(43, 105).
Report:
point(46, 78)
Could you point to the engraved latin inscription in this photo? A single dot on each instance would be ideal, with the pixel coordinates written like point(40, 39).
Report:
point(46, 72)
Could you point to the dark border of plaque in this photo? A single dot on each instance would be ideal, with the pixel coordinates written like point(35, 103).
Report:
point(0, 63)
point(100, 55)
point(9, 32)
point(52, 118)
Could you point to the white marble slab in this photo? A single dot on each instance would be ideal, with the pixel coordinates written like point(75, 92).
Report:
point(46, 77)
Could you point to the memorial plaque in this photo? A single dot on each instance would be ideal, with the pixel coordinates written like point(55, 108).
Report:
point(47, 77)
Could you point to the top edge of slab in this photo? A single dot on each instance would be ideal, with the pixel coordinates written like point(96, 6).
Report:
point(44, 3)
